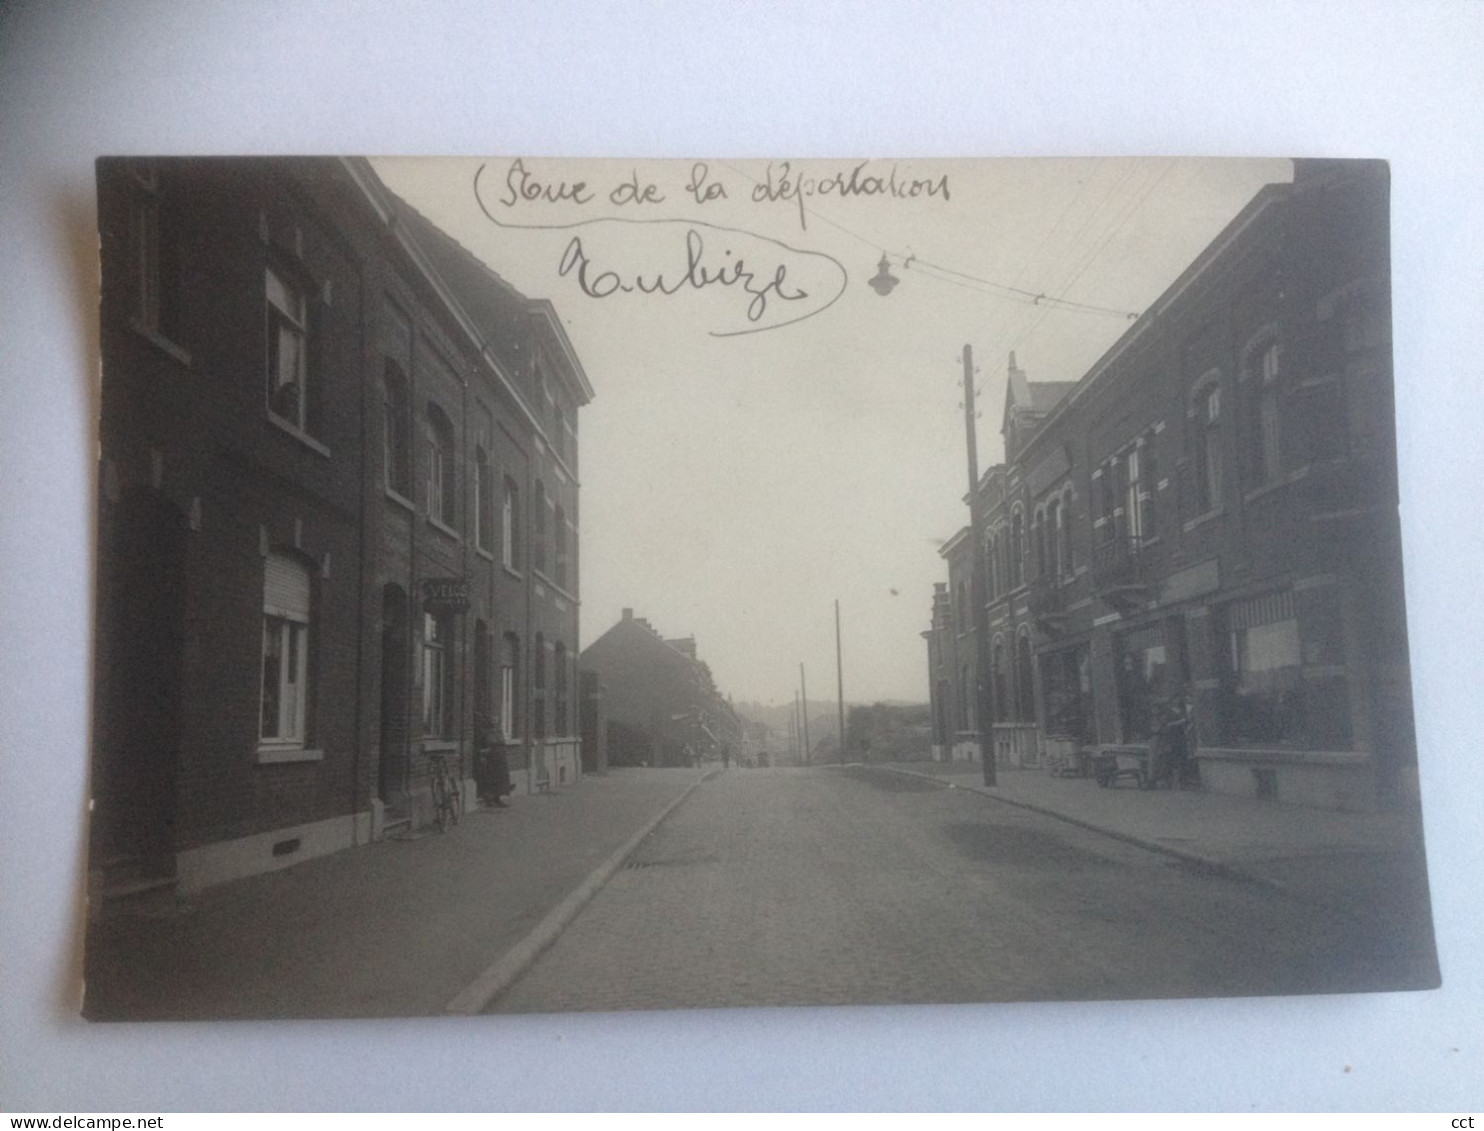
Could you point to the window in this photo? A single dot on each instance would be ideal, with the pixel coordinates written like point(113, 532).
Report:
point(1017, 549)
point(991, 572)
point(1001, 681)
point(559, 721)
point(1051, 538)
point(437, 676)
point(484, 501)
point(395, 450)
point(966, 702)
point(1038, 538)
point(1025, 687)
point(509, 688)
point(1133, 512)
point(510, 525)
point(559, 526)
point(285, 692)
point(538, 528)
point(287, 335)
point(558, 430)
point(1208, 448)
point(442, 501)
point(1066, 686)
point(1068, 563)
point(1265, 435)
point(963, 606)
point(1144, 679)
point(538, 688)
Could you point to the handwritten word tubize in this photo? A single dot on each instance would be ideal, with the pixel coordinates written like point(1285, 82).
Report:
point(696, 275)
point(785, 185)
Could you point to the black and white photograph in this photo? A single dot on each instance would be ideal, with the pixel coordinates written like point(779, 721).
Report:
point(533, 585)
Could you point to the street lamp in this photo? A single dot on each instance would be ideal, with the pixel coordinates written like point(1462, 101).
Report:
point(883, 281)
point(882, 284)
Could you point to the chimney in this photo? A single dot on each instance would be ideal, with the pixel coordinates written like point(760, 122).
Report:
point(628, 614)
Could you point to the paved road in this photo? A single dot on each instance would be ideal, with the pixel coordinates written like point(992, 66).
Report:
point(815, 886)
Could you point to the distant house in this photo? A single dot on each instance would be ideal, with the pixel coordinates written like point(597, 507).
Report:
point(660, 700)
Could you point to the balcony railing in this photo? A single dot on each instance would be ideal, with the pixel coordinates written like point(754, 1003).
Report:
point(1121, 569)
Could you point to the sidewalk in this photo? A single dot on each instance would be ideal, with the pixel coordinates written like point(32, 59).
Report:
point(1365, 864)
point(397, 928)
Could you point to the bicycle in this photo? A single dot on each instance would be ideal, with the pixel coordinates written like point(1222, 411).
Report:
point(448, 799)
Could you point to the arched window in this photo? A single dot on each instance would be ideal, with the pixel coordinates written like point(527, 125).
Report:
point(1017, 548)
point(442, 480)
point(286, 626)
point(1038, 523)
point(510, 525)
point(1051, 540)
point(1068, 562)
point(1025, 687)
point(395, 450)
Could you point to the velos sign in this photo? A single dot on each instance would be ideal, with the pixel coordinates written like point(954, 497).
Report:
point(445, 594)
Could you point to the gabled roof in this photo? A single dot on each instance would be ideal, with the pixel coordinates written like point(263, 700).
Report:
point(1039, 397)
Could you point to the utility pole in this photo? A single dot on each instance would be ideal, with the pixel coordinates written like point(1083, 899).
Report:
point(794, 737)
point(984, 709)
point(804, 691)
point(839, 682)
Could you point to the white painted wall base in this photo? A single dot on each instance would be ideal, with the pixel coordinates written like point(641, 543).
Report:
point(198, 868)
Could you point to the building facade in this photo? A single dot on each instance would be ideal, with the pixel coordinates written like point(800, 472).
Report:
point(661, 704)
point(1209, 516)
point(338, 519)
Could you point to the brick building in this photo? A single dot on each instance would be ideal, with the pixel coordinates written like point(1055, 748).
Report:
point(338, 518)
point(1210, 513)
point(661, 702)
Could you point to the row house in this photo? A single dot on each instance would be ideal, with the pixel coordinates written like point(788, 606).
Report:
point(337, 518)
point(1209, 516)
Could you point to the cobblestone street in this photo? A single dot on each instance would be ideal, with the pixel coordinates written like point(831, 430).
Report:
point(799, 887)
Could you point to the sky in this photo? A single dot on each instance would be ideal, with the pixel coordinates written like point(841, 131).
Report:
point(782, 437)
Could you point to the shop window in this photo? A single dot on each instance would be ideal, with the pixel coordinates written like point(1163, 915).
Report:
point(286, 626)
point(1066, 688)
point(1145, 679)
point(287, 331)
point(1264, 685)
point(437, 676)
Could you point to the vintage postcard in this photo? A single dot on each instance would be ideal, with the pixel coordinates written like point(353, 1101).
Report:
point(531, 585)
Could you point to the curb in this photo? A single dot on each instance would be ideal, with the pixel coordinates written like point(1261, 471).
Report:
point(1205, 863)
point(504, 971)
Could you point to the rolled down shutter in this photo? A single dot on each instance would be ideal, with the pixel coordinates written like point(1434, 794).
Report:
point(286, 588)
